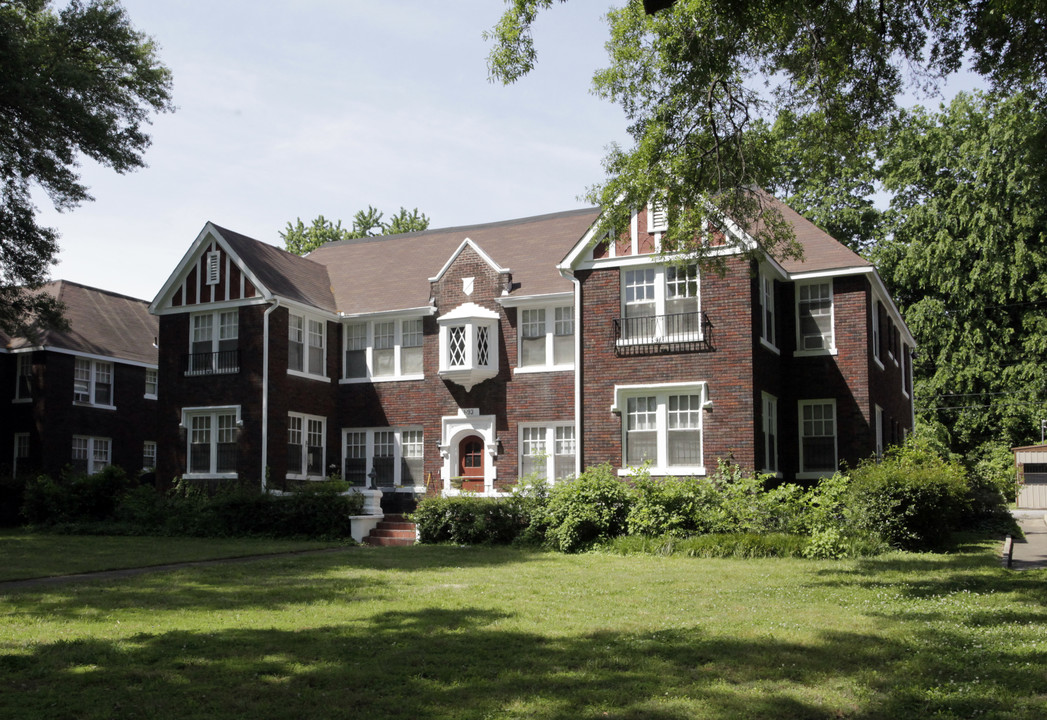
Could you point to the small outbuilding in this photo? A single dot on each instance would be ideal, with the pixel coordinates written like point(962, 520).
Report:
point(1031, 465)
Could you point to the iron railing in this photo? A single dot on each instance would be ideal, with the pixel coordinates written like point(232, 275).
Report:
point(679, 332)
point(224, 362)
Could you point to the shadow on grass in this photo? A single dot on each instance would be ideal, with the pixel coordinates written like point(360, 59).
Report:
point(463, 663)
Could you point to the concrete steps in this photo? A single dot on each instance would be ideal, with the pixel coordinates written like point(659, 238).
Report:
point(393, 531)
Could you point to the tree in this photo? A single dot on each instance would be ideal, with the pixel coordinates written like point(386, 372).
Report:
point(79, 82)
point(965, 255)
point(301, 240)
point(695, 79)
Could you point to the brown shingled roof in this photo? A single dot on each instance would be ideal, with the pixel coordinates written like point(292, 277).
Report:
point(821, 251)
point(100, 323)
point(282, 273)
point(391, 272)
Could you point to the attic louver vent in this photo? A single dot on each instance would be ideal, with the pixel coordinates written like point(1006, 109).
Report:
point(658, 217)
point(213, 269)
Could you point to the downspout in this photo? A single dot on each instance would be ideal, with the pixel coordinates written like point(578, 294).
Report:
point(577, 375)
point(265, 390)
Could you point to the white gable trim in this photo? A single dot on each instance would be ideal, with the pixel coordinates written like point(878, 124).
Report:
point(461, 248)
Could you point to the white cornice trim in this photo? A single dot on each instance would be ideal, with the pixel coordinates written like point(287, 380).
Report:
point(424, 311)
point(545, 299)
point(454, 256)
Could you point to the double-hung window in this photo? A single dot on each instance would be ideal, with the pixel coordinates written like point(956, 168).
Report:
point(877, 314)
point(814, 310)
point(662, 426)
point(93, 382)
point(211, 441)
point(817, 438)
point(660, 304)
point(306, 445)
point(91, 454)
point(149, 455)
point(770, 433)
point(150, 383)
point(384, 349)
point(547, 451)
point(546, 337)
point(214, 345)
point(391, 457)
point(768, 332)
point(23, 376)
point(21, 454)
point(306, 343)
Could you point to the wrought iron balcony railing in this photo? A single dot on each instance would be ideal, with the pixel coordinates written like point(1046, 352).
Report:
point(224, 362)
point(680, 332)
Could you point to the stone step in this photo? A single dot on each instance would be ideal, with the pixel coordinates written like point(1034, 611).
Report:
point(388, 541)
point(392, 532)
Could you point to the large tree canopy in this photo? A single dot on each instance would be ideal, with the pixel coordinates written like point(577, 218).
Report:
point(695, 79)
point(301, 239)
point(79, 82)
point(965, 253)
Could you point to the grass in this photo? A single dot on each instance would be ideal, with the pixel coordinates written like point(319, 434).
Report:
point(441, 633)
point(30, 555)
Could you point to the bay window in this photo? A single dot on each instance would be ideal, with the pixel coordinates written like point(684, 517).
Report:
point(469, 345)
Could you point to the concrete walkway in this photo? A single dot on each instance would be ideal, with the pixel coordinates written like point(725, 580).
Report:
point(1030, 553)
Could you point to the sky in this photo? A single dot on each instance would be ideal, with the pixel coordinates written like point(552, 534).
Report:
point(291, 110)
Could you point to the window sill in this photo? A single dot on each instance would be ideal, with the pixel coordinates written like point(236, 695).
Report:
point(770, 346)
point(879, 364)
point(308, 376)
point(772, 473)
point(22, 401)
point(662, 471)
point(679, 338)
point(815, 475)
point(529, 369)
point(815, 353)
point(92, 405)
point(149, 397)
point(210, 476)
point(380, 379)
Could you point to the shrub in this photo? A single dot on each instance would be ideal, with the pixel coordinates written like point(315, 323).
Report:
point(469, 520)
point(713, 545)
point(676, 507)
point(912, 498)
point(74, 497)
point(587, 510)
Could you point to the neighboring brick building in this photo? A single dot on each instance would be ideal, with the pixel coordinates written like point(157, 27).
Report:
point(464, 358)
point(86, 397)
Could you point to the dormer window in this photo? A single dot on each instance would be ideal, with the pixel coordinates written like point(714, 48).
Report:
point(469, 345)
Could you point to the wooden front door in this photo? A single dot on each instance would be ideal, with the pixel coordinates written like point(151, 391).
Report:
point(471, 463)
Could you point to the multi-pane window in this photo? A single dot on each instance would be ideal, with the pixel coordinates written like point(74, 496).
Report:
point(305, 345)
point(306, 444)
point(23, 376)
point(818, 436)
point(767, 326)
point(640, 293)
point(90, 454)
point(384, 349)
point(93, 382)
point(546, 336)
point(815, 316)
point(21, 453)
point(391, 456)
point(547, 451)
point(877, 313)
point(150, 382)
point(662, 426)
point(457, 355)
point(906, 370)
point(661, 302)
point(212, 442)
point(770, 433)
point(469, 344)
point(214, 346)
point(878, 427)
point(149, 455)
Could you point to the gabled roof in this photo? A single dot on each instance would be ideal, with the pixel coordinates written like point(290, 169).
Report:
point(101, 323)
point(821, 251)
point(279, 272)
point(391, 272)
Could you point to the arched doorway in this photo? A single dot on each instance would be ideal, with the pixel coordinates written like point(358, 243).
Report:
point(471, 453)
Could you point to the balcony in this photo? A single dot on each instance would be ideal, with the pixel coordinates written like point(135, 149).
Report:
point(225, 362)
point(659, 334)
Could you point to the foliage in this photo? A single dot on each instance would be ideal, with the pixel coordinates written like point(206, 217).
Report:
point(712, 545)
point(74, 497)
point(587, 510)
point(991, 465)
point(301, 239)
point(469, 520)
point(966, 259)
point(696, 81)
point(912, 498)
point(77, 82)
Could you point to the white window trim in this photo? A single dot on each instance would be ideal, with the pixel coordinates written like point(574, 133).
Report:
point(91, 462)
point(906, 368)
point(214, 411)
point(550, 338)
point(876, 332)
point(831, 350)
point(550, 447)
point(769, 412)
point(21, 361)
point(156, 382)
point(622, 393)
point(216, 340)
point(145, 446)
point(306, 319)
point(398, 449)
point(397, 376)
point(19, 439)
point(878, 422)
point(92, 384)
point(767, 298)
point(303, 472)
point(660, 300)
point(815, 474)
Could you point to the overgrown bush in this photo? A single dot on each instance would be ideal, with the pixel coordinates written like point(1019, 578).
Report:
point(912, 498)
point(674, 507)
point(75, 497)
point(589, 509)
point(469, 520)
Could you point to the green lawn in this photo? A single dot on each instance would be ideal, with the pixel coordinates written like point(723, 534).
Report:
point(446, 632)
point(30, 555)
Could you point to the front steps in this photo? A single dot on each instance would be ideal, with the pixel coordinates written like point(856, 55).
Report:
point(393, 530)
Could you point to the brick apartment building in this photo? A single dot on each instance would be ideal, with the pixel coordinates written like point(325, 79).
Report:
point(465, 358)
point(83, 398)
